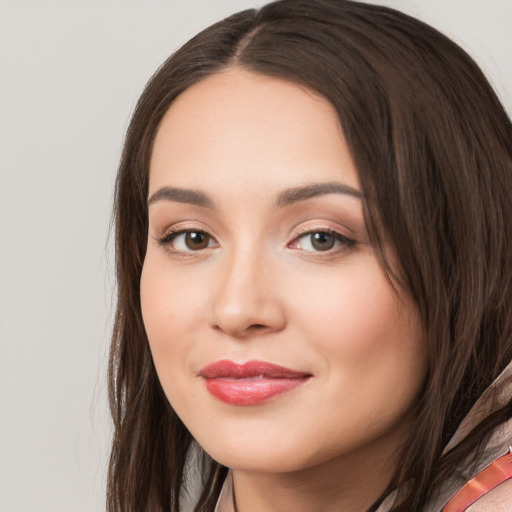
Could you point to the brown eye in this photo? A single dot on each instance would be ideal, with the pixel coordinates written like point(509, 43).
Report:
point(187, 240)
point(195, 240)
point(322, 241)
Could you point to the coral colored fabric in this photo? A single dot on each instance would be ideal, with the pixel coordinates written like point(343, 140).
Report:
point(493, 475)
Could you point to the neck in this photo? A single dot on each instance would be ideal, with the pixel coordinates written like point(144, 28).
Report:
point(345, 483)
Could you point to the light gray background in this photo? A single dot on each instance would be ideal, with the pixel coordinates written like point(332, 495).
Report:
point(70, 73)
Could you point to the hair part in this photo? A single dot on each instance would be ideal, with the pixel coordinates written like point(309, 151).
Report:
point(433, 149)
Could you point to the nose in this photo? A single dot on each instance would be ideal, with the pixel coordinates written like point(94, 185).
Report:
point(247, 300)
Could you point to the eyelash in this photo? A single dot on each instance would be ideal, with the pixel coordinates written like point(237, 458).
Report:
point(166, 238)
point(345, 242)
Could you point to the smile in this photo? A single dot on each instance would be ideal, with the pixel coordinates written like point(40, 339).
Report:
point(251, 383)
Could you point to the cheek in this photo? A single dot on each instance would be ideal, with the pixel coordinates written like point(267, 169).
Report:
point(169, 306)
point(170, 309)
point(169, 300)
point(366, 332)
point(355, 304)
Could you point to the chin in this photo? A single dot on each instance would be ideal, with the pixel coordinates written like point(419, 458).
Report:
point(266, 454)
point(258, 461)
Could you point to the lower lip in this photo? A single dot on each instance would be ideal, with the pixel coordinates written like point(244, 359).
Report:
point(250, 391)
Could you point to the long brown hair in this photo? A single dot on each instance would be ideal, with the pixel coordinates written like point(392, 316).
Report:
point(433, 148)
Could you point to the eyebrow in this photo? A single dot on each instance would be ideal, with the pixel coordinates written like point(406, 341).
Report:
point(181, 195)
point(296, 194)
point(285, 198)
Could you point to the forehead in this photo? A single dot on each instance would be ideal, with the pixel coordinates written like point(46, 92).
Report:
point(240, 126)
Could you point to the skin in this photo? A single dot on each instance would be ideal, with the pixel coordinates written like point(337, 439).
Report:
point(261, 290)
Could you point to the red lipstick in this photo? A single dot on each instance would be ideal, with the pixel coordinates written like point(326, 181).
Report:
point(251, 383)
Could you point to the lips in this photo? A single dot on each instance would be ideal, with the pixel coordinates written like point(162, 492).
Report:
point(251, 383)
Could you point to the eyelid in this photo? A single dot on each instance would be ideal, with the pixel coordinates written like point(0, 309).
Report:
point(180, 227)
point(165, 237)
point(321, 227)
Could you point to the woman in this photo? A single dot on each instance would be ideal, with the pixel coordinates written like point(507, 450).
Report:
point(313, 229)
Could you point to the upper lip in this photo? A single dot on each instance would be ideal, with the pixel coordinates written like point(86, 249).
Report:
point(229, 369)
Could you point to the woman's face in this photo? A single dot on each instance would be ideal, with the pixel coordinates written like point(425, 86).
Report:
point(275, 333)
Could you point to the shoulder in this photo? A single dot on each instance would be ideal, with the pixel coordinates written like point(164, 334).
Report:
point(490, 490)
point(498, 499)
